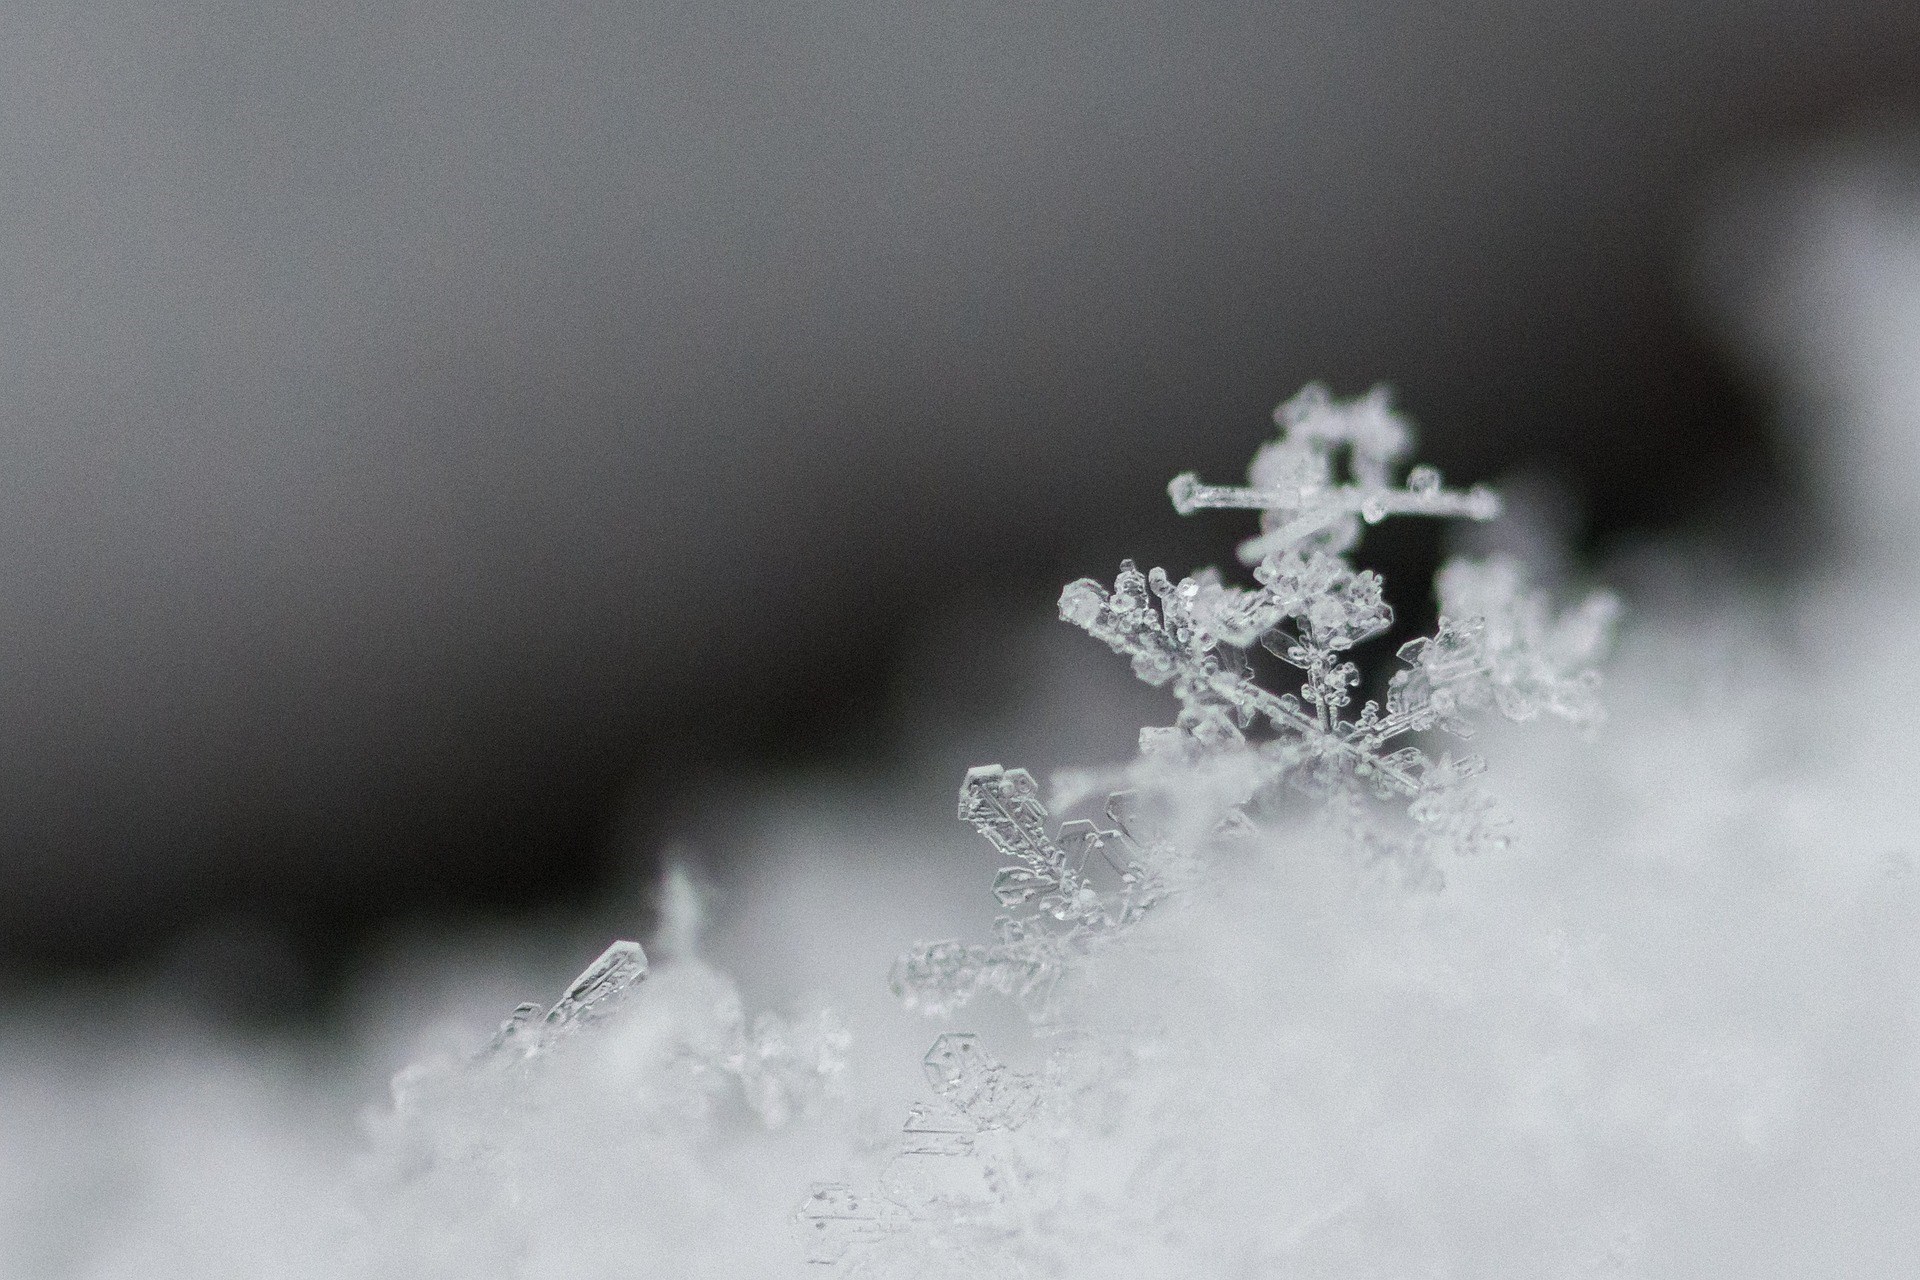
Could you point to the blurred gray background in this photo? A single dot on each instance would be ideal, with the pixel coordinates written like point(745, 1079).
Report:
point(437, 438)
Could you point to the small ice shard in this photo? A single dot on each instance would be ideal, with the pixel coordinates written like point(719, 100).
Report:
point(588, 998)
point(595, 993)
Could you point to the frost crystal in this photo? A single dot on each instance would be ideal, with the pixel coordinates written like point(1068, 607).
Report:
point(982, 1165)
point(594, 995)
point(1087, 884)
point(1499, 643)
point(950, 1180)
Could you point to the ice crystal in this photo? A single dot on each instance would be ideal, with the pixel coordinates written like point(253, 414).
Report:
point(1086, 884)
point(592, 996)
point(778, 1065)
point(972, 1166)
point(1499, 643)
point(471, 1144)
point(949, 1180)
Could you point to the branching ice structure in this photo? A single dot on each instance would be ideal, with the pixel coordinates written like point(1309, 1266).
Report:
point(1498, 644)
point(976, 1165)
point(1087, 884)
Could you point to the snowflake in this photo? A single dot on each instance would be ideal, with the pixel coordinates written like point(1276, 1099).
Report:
point(973, 1166)
point(1499, 643)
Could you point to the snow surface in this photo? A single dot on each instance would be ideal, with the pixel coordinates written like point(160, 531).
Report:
point(1672, 1030)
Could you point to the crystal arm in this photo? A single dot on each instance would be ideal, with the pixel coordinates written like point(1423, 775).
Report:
point(1372, 505)
point(1137, 634)
point(1244, 693)
point(1190, 495)
point(1003, 805)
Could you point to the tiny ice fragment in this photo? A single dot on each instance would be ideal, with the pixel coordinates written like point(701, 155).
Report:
point(976, 1083)
point(594, 993)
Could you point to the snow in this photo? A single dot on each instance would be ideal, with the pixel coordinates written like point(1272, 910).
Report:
point(1670, 1029)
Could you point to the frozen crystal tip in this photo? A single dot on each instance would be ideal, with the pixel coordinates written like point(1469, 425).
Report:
point(1081, 602)
point(595, 991)
point(1181, 489)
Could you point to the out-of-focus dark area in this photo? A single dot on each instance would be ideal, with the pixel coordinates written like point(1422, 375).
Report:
point(434, 436)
